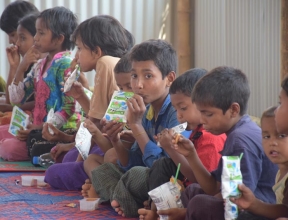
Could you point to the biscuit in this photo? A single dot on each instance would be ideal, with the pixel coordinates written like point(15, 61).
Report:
point(177, 138)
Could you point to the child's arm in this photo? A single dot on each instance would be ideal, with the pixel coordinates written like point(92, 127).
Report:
point(57, 135)
point(14, 60)
point(165, 140)
point(249, 202)
point(207, 182)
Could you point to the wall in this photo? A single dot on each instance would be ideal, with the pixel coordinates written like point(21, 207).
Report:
point(244, 34)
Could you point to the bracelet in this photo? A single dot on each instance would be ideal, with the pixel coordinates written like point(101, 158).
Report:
point(136, 135)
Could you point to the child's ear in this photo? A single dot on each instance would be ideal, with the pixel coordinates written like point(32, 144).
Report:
point(60, 39)
point(97, 53)
point(234, 109)
point(170, 78)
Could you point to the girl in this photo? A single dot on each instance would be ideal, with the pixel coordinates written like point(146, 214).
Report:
point(53, 29)
point(25, 32)
point(101, 41)
point(275, 147)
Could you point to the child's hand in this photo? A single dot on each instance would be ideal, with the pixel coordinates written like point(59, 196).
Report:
point(183, 145)
point(164, 138)
point(127, 135)
point(247, 198)
point(76, 90)
point(22, 134)
point(174, 213)
point(57, 136)
point(112, 129)
point(60, 148)
point(31, 56)
point(92, 128)
point(13, 56)
point(136, 110)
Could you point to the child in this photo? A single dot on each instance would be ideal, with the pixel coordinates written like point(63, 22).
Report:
point(101, 41)
point(282, 110)
point(207, 145)
point(8, 23)
point(275, 147)
point(53, 29)
point(26, 31)
point(154, 64)
point(222, 96)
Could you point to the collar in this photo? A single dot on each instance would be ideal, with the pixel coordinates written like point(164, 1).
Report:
point(150, 112)
point(244, 119)
point(197, 132)
point(60, 54)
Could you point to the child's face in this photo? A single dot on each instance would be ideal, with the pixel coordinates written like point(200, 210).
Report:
point(146, 81)
point(25, 40)
point(123, 81)
point(12, 37)
point(43, 37)
point(86, 58)
point(281, 113)
point(186, 110)
point(275, 144)
point(213, 119)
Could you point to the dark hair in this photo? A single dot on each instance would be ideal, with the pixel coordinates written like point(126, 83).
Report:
point(159, 51)
point(13, 13)
point(105, 32)
point(284, 84)
point(269, 112)
point(130, 40)
point(28, 22)
point(221, 87)
point(123, 65)
point(186, 82)
point(61, 21)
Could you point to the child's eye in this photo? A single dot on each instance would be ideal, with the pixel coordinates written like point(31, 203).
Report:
point(265, 136)
point(133, 76)
point(209, 114)
point(183, 109)
point(282, 135)
point(148, 76)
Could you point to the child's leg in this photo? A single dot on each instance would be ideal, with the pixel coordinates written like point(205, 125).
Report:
point(201, 206)
point(66, 176)
point(111, 156)
point(104, 180)
point(248, 216)
point(161, 171)
point(4, 132)
point(91, 163)
point(12, 149)
point(131, 191)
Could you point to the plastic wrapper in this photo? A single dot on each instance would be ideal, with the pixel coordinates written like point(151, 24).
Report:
point(83, 141)
point(230, 179)
point(117, 106)
point(71, 79)
point(166, 196)
point(178, 129)
point(18, 119)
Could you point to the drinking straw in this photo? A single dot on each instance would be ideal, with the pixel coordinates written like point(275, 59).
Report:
point(241, 155)
point(177, 172)
point(55, 104)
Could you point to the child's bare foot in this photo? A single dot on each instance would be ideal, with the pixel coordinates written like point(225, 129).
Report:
point(88, 190)
point(117, 208)
point(147, 214)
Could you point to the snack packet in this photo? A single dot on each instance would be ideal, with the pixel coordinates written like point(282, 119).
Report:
point(166, 196)
point(83, 141)
point(18, 119)
point(50, 116)
point(231, 210)
point(117, 106)
point(71, 79)
point(178, 129)
point(230, 179)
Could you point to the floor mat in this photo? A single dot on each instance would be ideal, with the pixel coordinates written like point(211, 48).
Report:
point(22, 166)
point(24, 202)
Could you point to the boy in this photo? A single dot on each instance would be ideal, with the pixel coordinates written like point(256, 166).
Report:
point(281, 112)
point(275, 147)
point(154, 64)
point(222, 96)
point(207, 144)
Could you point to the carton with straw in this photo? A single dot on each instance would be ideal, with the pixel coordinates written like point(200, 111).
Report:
point(167, 195)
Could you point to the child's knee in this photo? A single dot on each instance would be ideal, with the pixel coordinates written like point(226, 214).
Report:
point(110, 156)
point(13, 150)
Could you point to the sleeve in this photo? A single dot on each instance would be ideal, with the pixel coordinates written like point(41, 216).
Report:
point(285, 194)
point(152, 151)
point(20, 93)
point(104, 86)
point(207, 151)
point(67, 108)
